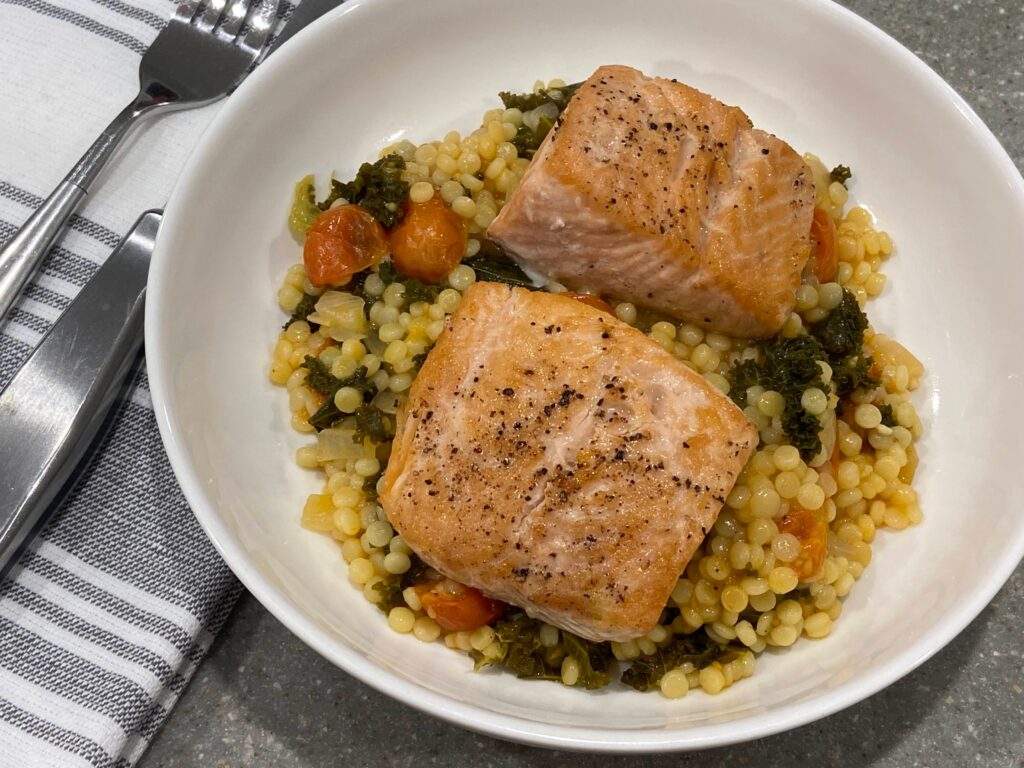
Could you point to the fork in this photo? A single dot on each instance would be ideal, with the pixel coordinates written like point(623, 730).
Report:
point(202, 54)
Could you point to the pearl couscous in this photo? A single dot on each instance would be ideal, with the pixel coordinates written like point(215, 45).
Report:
point(796, 532)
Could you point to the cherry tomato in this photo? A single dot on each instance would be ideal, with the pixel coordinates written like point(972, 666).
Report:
point(591, 301)
point(812, 532)
point(341, 242)
point(467, 610)
point(825, 254)
point(429, 241)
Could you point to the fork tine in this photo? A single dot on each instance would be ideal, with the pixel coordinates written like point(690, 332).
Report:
point(186, 10)
point(212, 14)
point(261, 24)
point(233, 19)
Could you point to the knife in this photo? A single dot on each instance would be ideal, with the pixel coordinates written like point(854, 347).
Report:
point(56, 406)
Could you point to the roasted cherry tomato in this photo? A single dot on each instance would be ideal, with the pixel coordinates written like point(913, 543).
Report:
point(459, 611)
point(341, 242)
point(429, 241)
point(812, 533)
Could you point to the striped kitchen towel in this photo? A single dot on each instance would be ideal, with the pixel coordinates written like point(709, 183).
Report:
point(105, 618)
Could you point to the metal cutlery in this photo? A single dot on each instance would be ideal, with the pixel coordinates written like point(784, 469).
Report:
point(56, 404)
point(202, 54)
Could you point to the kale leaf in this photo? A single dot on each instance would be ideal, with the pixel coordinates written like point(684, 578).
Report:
point(390, 591)
point(646, 671)
point(852, 373)
point(888, 415)
point(303, 310)
point(788, 366)
point(378, 187)
point(594, 660)
point(328, 385)
point(527, 139)
point(841, 333)
point(744, 375)
point(525, 102)
point(415, 290)
point(319, 378)
point(495, 267)
point(792, 364)
point(524, 654)
point(416, 573)
point(373, 423)
point(519, 636)
point(840, 173)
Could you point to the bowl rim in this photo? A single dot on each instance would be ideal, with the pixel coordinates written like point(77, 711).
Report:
point(535, 732)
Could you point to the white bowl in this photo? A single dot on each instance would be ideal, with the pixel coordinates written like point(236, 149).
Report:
point(374, 71)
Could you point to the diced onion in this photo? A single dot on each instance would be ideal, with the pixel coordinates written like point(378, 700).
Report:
point(532, 118)
point(342, 314)
point(337, 443)
point(386, 401)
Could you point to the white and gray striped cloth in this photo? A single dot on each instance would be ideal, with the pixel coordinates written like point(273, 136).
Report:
point(105, 618)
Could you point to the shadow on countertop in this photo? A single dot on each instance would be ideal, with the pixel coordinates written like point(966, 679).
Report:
point(280, 704)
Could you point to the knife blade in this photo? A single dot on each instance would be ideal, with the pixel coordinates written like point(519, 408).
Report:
point(305, 13)
point(57, 403)
point(50, 415)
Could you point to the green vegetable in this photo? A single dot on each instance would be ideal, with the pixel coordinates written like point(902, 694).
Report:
point(416, 573)
point(888, 416)
point(523, 652)
point(373, 423)
point(525, 655)
point(328, 413)
point(415, 290)
point(495, 267)
point(378, 187)
point(304, 208)
point(841, 333)
point(594, 660)
point(851, 374)
point(319, 378)
point(842, 337)
point(390, 591)
point(788, 366)
point(524, 102)
point(527, 139)
point(646, 671)
point(744, 375)
point(302, 312)
point(840, 173)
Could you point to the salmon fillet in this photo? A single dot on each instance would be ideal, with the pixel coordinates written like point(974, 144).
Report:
point(653, 192)
point(558, 459)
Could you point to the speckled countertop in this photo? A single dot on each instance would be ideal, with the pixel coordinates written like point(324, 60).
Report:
point(263, 698)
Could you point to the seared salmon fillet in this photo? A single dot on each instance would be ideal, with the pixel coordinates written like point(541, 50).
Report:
point(558, 459)
point(653, 192)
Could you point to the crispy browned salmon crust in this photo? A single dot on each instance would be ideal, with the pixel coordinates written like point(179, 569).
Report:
point(651, 191)
point(558, 459)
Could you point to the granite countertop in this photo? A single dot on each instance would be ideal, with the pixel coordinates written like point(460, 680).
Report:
point(262, 698)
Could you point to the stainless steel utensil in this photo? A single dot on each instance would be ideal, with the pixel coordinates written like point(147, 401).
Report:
point(54, 407)
point(202, 54)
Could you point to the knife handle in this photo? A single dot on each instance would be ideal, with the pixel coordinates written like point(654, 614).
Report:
point(55, 405)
